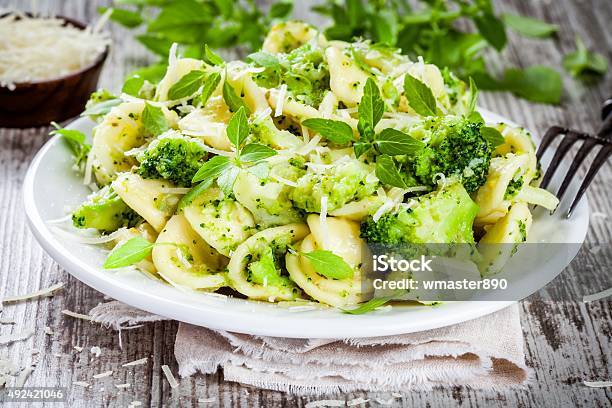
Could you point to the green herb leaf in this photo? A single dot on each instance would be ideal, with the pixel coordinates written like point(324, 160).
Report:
point(187, 85)
point(75, 140)
point(227, 179)
point(493, 136)
point(582, 63)
point(133, 251)
point(388, 173)
point(153, 120)
point(211, 169)
point(371, 109)
point(492, 29)
point(473, 97)
point(328, 264)
point(101, 108)
point(194, 193)
point(210, 84)
point(369, 306)
point(335, 131)
point(233, 101)
point(537, 83)
point(281, 9)
point(132, 85)
point(529, 27)
point(211, 57)
point(255, 152)
point(393, 142)
point(419, 96)
point(126, 18)
point(264, 59)
point(238, 128)
point(361, 148)
point(153, 73)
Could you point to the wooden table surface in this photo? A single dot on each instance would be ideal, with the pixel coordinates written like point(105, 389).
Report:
point(565, 342)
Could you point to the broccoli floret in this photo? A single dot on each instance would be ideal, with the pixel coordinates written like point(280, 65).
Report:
point(443, 216)
point(172, 157)
point(455, 148)
point(265, 272)
point(513, 188)
point(342, 183)
point(105, 211)
point(305, 72)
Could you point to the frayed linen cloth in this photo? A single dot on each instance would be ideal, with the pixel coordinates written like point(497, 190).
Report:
point(484, 353)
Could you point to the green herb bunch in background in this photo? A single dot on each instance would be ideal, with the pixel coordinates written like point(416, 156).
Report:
point(457, 34)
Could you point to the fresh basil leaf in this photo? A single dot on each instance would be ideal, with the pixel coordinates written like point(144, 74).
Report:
point(211, 169)
point(233, 101)
point(153, 73)
point(537, 83)
point(393, 142)
point(187, 85)
point(153, 120)
point(178, 14)
point(529, 27)
point(264, 59)
point(369, 306)
point(335, 131)
point(132, 85)
point(227, 179)
point(133, 251)
point(194, 193)
point(73, 135)
point(371, 109)
point(492, 136)
point(238, 128)
point(328, 264)
point(492, 29)
point(473, 97)
point(361, 148)
point(211, 57)
point(156, 43)
point(582, 62)
point(388, 173)
point(126, 18)
point(255, 152)
point(384, 27)
point(281, 9)
point(225, 7)
point(210, 84)
point(101, 108)
point(419, 96)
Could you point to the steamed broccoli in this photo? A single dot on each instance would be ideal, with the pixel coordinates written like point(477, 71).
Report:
point(342, 183)
point(172, 157)
point(304, 70)
point(105, 211)
point(443, 216)
point(455, 148)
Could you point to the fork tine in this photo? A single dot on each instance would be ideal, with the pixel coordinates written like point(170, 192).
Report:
point(599, 160)
point(567, 142)
point(549, 136)
point(585, 149)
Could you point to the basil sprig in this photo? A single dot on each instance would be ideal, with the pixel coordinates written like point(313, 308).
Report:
point(129, 253)
point(419, 96)
point(225, 169)
point(335, 131)
point(153, 120)
point(188, 85)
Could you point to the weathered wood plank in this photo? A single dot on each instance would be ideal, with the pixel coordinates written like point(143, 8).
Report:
point(566, 342)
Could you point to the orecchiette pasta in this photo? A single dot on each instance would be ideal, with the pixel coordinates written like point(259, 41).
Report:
point(221, 221)
point(183, 258)
point(254, 269)
point(341, 236)
point(147, 198)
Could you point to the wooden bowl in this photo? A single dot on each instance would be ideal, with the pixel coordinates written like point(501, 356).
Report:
point(38, 103)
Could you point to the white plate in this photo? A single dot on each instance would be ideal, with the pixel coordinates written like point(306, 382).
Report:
point(51, 187)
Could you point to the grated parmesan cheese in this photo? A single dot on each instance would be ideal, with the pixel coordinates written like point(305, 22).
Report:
point(96, 351)
point(598, 384)
point(123, 386)
point(81, 384)
point(136, 362)
point(103, 375)
point(356, 401)
point(282, 95)
point(40, 293)
point(39, 49)
point(171, 380)
point(325, 403)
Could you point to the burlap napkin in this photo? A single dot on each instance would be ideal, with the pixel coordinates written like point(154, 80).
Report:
point(484, 353)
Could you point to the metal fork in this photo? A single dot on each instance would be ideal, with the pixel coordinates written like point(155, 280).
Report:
point(589, 142)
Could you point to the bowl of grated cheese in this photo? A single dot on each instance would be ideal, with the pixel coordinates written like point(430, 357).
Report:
point(48, 68)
